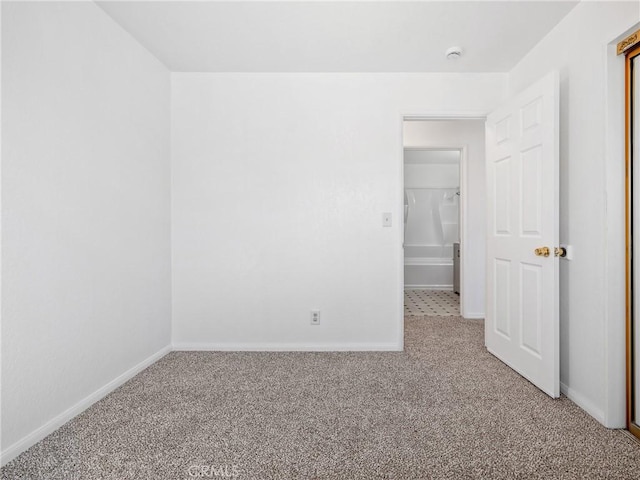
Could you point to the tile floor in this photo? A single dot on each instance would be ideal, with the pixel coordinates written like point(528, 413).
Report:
point(436, 303)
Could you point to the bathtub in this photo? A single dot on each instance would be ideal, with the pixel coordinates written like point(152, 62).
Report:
point(428, 266)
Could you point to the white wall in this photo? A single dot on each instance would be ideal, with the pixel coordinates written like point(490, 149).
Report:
point(470, 135)
point(85, 213)
point(591, 202)
point(431, 175)
point(279, 185)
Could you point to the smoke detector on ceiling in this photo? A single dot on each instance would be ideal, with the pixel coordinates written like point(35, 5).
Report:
point(453, 53)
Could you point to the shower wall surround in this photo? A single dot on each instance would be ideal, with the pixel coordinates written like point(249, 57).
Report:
point(431, 217)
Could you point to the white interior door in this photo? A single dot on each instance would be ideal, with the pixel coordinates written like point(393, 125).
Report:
point(522, 313)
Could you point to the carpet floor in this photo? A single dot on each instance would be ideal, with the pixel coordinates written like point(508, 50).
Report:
point(442, 409)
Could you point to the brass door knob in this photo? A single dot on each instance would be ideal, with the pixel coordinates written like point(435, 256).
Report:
point(542, 251)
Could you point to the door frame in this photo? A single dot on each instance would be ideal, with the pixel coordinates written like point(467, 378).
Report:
point(462, 149)
point(631, 278)
point(464, 180)
point(614, 413)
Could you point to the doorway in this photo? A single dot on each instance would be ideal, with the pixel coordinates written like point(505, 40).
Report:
point(443, 184)
point(431, 231)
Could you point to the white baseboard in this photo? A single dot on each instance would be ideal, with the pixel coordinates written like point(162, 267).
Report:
point(34, 437)
point(582, 402)
point(428, 287)
point(287, 347)
point(427, 261)
point(473, 316)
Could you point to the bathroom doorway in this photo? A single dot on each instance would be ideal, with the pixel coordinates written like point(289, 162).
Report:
point(444, 217)
point(432, 231)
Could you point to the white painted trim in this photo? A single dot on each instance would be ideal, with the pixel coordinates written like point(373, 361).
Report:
point(400, 233)
point(34, 437)
point(462, 228)
point(582, 402)
point(424, 244)
point(287, 347)
point(473, 316)
point(428, 261)
point(433, 115)
point(409, 286)
point(464, 149)
point(427, 149)
point(1, 236)
point(453, 115)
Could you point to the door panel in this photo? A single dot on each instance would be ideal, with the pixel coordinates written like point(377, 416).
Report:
point(502, 196)
point(531, 314)
point(531, 192)
point(522, 320)
point(502, 297)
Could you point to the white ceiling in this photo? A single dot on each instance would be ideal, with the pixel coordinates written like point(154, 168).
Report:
point(337, 36)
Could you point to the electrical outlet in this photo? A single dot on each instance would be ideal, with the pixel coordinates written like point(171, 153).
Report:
point(315, 317)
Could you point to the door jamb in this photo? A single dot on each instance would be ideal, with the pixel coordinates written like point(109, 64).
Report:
point(462, 149)
point(631, 349)
point(463, 189)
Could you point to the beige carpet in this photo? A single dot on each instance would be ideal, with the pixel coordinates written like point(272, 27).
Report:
point(443, 409)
